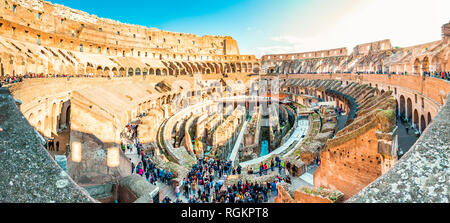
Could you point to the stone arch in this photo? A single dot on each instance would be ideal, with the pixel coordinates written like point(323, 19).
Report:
point(409, 109)
point(244, 67)
point(201, 69)
point(425, 65)
point(423, 124)
point(122, 72)
point(238, 67)
point(2, 72)
point(221, 68)
point(114, 71)
point(64, 119)
point(416, 119)
point(137, 71)
point(54, 118)
point(171, 71)
point(158, 72)
point(144, 71)
point(90, 68)
point(217, 68)
point(106, 71)
point(164, 72)
point(99, 71)
point(429, 118)
point(188, 68)
point(47, 125)
point(39, 126)
point(228, 68)
point(436, 64)
point(183, 71)
point(130, 71)
point(31, 117)
point(417, 65)
point(151, 71)
point(397, 111)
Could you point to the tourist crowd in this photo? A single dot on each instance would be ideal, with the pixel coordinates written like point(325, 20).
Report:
point(205, 181)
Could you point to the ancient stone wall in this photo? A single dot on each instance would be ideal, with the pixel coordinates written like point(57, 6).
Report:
point(38, 37)
point(422, 173)
point(307, 195)
point(367, 48)
point(306, 55)
point(375, 57)
point(61, 26)
point(431, 91)
point(366, 148)
point(22, 152)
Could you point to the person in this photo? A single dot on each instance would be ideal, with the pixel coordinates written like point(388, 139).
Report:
point(278, 161)
point(294, 169)
point(147, 175)
point(193, 187)
point(177, 191)
point(274, 188)
point(132, 167)
point(261, 169)
point(271, 164)
point(286, 171)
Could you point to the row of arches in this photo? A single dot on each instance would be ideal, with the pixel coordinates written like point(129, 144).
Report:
point(122, 71)
point(309, 65)
point(174, 68)
point(49, 120)
point(405, 109)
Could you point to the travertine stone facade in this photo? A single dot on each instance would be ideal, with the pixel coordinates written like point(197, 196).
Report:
point(374, 57)
point(307, 195)
point(38, 37)
point(229, 127)
point(366, 148)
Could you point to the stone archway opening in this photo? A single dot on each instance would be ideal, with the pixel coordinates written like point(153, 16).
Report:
point(122, 71)
point(54, 119)
point(423, 124)
point(409, 109)
point(425, 65)
point(417, 66)
point(416, 119)
point(130, 72)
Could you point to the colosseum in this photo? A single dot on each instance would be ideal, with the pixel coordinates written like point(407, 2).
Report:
point(98, 111)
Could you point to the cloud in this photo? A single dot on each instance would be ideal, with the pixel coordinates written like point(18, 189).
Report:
point(260, 51)
point(287, 39)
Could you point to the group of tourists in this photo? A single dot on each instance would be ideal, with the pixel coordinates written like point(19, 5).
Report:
point(441, 75)
point(276, 162)
point(52, 146)
point(10, 79)
point(206, 180)
point(205, 184)
point(151, 172)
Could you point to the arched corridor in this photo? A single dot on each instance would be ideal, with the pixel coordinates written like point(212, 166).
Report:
point(409, 109)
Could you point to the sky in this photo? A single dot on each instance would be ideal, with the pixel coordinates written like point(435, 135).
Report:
point(284, 26)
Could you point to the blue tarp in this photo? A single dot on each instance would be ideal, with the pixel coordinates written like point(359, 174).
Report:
point(264, 148)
